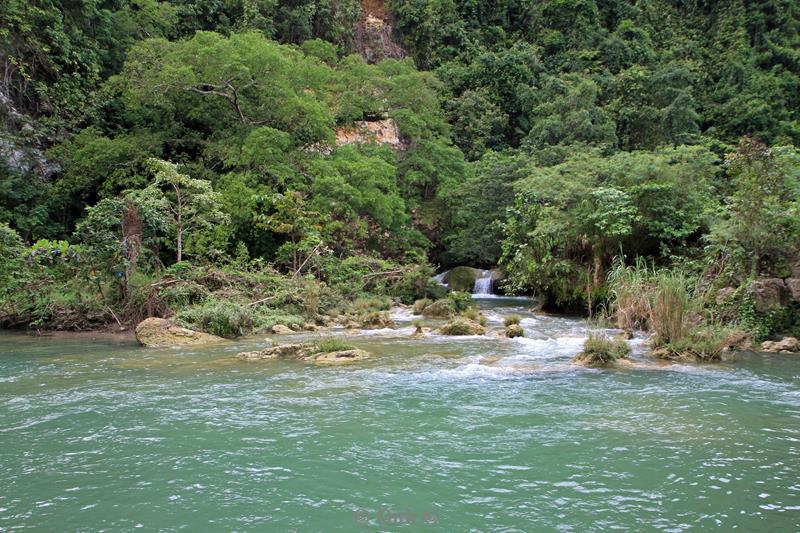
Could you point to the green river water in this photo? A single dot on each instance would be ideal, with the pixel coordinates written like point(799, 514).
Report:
point(438, 434)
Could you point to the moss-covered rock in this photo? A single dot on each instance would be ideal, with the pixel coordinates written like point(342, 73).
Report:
point(377, 320)
point(461, 278)
point(340, 357)
point(514, 330)
point(159, 332)
point(462, 326)
point(326, 352)
point(443, 308)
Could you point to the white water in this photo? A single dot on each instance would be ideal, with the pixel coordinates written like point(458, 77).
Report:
point(483, 284)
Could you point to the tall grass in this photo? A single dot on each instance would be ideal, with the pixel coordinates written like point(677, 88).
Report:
point(643, 297)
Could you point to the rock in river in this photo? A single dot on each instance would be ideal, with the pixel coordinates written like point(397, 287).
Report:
point(304, 352)
point(160, 332)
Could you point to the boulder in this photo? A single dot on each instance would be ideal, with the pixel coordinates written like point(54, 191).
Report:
point(514, 330)
point(160, 332)
point(439, 309)
point(793, 284)
point(769, 294)
point(462, 326)
point(461, 278)
point(284, 351)
point(338, 358)
point(723, 294)
point(280, 329)
point(304, 352)
point(377, 320)
point(785, 345)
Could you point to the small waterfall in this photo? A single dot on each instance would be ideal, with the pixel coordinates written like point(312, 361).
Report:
point(483, 284)
point(439, 278)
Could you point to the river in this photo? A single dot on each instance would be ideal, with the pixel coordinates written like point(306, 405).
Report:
point(436, 434)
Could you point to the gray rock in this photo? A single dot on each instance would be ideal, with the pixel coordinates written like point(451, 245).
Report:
point(769, 294)
point(793, 284)
point(785, 345)
point(724, 293)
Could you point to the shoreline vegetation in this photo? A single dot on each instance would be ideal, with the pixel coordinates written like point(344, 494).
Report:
point(301, 165)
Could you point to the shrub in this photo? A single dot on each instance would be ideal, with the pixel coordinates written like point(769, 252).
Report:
point(511, 319)
point(218, 317)
point(600, 350)
point(265, 318)
point(332, 344)
point(461, 301)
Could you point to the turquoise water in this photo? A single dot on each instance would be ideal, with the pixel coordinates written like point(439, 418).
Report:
point(433, 435)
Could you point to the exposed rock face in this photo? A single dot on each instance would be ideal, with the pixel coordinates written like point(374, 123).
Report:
point(785, 345)
point(514, 330)
point(462, 326)
point(793, 284)
point(280, 329)
point(159, 332)
point(371, 132)
point(769, 294)
point(304, 352)
point(723, 294)
point(373, 35)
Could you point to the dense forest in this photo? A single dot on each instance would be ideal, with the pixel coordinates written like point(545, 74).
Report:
point(262, 162)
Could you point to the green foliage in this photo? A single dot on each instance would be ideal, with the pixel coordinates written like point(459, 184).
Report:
point(223, 318)
point(569, 220)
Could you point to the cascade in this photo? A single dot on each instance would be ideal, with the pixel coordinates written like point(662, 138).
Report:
point(483, 283)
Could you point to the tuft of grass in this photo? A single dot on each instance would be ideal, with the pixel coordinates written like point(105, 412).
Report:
point(482, 320)
point(600, 350)
point(511, 319)
point(471, 313)
point(377, 303)
point(332, 344)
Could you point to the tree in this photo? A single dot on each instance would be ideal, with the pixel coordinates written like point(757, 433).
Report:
point(188, 204)
point(760, 224)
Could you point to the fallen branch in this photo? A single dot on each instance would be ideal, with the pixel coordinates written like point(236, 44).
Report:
point(312, 254)
point(115, 316)
point(261, 301)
